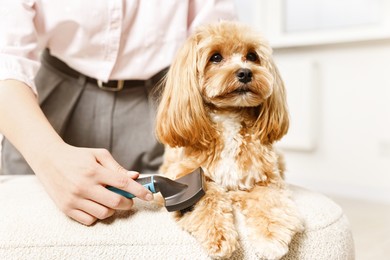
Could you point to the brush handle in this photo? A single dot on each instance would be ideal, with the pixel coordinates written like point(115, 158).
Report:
point(147, 182)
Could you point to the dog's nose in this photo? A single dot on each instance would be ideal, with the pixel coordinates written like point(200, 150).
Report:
point(244, 75)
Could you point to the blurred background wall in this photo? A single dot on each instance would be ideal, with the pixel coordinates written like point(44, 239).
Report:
point(336, 68)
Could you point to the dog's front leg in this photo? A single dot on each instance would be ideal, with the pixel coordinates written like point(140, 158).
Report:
point(271, 218)
point(211, 222)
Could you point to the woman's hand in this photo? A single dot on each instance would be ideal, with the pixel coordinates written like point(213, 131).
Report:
point(76, 178)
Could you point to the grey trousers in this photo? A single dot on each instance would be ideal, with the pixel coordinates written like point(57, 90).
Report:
point(87, 116)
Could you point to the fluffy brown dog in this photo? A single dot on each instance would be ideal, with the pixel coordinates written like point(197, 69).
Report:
point(222, 109)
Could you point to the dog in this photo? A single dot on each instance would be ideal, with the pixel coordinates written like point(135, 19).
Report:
point(222, 108)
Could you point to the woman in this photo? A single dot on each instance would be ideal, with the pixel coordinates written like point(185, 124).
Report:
point(85, 113)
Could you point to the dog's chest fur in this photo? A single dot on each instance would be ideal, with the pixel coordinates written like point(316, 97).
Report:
point(241, 160)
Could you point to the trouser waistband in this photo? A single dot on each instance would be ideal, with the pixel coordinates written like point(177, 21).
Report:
point(112, 85)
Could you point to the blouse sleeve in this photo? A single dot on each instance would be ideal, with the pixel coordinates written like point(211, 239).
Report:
point(205, 11)
point(18, 42)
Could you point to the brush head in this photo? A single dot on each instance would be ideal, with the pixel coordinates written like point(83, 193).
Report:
point(182, 193)
point(167, 187)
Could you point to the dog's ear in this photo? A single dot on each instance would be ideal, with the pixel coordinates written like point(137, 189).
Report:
point(273, 120)
point(181, 116)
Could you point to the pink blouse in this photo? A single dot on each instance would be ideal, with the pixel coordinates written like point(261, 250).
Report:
point(112, 39)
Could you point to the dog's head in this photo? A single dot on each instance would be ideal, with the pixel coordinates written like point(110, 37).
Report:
point(221, 66)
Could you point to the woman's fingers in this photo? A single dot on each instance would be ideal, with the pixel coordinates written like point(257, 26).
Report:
point(76, 179)
point(110, 199)
point(94, 209)
point(105, 158)
point(88, 211)
point(126, 183)
point(119, 177)
point(81, 216)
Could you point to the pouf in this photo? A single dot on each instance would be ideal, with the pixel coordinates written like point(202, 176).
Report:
point(31, 227)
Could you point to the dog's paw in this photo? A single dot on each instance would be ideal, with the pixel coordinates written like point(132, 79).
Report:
point(299, 226)
point(274, 244)
point(218, 238)
point(270, 249)
point(221, 247)
point(219, 241)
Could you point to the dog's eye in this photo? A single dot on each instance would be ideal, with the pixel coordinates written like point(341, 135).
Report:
point(252, 56)
point(216, 57)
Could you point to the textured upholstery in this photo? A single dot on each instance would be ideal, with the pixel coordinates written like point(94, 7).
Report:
point(31, 227)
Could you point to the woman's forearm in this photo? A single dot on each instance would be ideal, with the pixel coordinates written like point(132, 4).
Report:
point(22, 121)
point(74, 177)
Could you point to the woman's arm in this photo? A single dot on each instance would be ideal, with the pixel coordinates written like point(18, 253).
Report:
point(75, 178)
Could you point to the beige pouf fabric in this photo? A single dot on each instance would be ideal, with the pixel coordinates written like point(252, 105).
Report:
point(31, 227)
